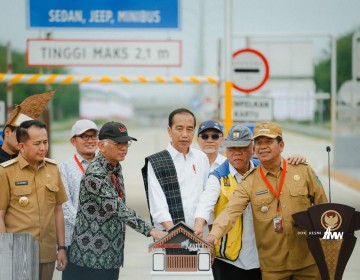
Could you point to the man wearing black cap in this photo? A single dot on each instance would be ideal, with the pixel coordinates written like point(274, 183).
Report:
point(97, 249)
point(210, 138)
point(84, 138)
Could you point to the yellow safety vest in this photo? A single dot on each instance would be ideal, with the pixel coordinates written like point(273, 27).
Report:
point(229, 245)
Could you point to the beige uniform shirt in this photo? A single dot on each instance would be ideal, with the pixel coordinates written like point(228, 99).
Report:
point(277, 251)
point(43, 190)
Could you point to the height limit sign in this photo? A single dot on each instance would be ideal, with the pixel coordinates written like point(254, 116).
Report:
point(250, 70)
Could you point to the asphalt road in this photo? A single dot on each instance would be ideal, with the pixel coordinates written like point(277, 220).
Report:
point(137, 259)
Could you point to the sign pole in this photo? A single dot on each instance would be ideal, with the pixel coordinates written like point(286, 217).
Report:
point(227, 65)
point(228, 109)
point(48, 110)
point(333, 91)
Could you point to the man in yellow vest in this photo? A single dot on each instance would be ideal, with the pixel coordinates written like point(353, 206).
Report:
point(230, 263)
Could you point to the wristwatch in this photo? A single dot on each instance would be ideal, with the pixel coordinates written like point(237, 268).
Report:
point(61, 248)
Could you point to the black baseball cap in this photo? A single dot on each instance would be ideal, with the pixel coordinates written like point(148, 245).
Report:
point(115, 131)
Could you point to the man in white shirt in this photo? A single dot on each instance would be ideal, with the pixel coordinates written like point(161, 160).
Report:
point(210, 138)
point(175, 178)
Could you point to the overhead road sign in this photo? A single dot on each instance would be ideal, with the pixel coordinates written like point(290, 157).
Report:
point(78, 79)
point(69, 52)
point(250, 70)
point(148, 14)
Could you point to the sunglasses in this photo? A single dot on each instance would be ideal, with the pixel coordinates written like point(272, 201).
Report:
point(206, 136)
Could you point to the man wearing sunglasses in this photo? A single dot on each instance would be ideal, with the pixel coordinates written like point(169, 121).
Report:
point(210, 138)
point(84, 138)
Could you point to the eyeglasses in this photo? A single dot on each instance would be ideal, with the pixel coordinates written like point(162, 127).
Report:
point(120, 145)
point(86, 137)
point(206, 136)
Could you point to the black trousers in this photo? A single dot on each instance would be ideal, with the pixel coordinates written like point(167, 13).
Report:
point(225, 271)
point(75, 272)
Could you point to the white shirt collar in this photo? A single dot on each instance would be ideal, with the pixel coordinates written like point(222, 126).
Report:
point(80, 158)
point(174, 153)
point(234, 172)
point(220, 159)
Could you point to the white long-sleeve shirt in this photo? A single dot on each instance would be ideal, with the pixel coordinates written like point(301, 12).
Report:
point(248, 257)
point(192, 173)
point(71, 175)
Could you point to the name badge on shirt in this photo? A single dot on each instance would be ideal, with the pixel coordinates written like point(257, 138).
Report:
point(21, 183)
point(262, 192)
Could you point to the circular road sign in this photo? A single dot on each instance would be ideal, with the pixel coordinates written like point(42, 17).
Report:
point(250, 70)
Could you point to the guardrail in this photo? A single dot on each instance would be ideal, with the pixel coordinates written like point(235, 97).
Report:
point(76, 79)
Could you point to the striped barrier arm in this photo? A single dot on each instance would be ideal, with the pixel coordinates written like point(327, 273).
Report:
point(77, 79)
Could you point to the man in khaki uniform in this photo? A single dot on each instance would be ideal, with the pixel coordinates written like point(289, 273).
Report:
point(276, 190)
point(31, 195)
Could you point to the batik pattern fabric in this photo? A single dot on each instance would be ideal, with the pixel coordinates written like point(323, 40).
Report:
point(32, 106)
point(99, 233)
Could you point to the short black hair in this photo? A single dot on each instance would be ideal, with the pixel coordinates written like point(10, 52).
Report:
point(180, 111)
point(11, 127)
point(22, 134)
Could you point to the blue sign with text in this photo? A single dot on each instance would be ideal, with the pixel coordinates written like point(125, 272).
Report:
point(148, 14)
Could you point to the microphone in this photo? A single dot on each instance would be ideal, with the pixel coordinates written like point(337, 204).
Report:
point(328, 149)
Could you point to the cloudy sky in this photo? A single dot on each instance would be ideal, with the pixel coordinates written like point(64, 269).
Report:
point(206, 17)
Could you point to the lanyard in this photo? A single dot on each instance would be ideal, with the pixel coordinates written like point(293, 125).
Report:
point(270, 187)
point(117, 187)
point(79, 164)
